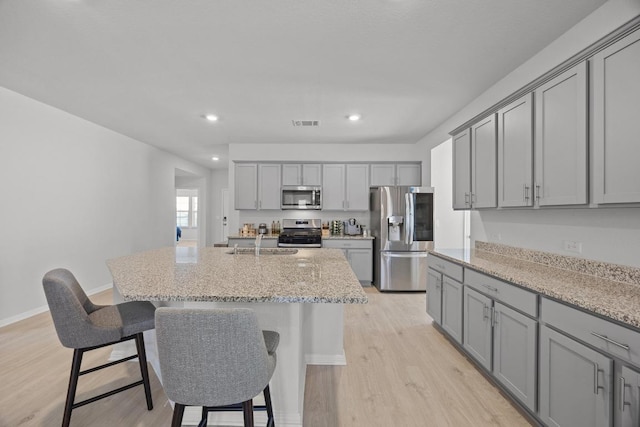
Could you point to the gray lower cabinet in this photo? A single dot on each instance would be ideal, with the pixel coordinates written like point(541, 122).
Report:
point(452, 307)
point(502, 340)
point(628, 397)
point(514, 353)
point(434, 295)
point(359, 253)
point(575, 383)
point(477, 326)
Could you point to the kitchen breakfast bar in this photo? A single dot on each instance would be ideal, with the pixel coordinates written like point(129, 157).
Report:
point(298, 293)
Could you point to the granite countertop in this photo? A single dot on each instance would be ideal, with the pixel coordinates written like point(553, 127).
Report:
point(212, 274)
point(614, 299)
point(264, 236)
point(354, 237)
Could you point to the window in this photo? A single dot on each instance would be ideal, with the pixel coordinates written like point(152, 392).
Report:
point(187, 211)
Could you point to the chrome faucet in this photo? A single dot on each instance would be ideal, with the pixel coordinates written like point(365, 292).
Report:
point(258, 242)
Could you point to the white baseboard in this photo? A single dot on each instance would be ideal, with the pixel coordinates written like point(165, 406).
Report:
point(42, 309)
point(192, 417)
point(326, 359)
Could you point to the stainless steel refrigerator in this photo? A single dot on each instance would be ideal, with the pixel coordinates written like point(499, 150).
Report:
point(402, 224)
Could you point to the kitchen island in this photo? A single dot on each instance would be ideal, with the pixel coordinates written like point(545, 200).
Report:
point(299, 295)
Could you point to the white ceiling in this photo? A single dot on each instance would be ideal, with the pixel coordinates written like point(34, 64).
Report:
point(150, 69)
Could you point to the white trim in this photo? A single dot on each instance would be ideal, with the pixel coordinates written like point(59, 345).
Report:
point(326, 359)
point(44, 308)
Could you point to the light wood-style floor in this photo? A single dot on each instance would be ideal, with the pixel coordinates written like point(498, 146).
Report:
point(400, 372)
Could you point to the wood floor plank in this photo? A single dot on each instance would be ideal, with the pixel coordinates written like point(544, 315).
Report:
point(400, 372)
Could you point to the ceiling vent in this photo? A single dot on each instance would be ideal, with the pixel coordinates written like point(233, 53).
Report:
point(297, 123)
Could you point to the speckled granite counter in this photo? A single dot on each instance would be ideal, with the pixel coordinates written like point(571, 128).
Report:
point(618, 300)
point(211, 278)
point(264, 236)
point(357, 237)
point(211, 274)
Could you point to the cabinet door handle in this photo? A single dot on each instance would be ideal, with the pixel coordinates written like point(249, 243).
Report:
point(623, 386)
point(596, 386)
point(609, 340)
point(494, 316)
point(466, 198)
point(485, 311)
point(255, 204)
point(537, 191)
point(526, 192)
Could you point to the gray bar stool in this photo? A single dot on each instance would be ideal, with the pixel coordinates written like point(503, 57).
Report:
point(215, 358)
point(84, 326)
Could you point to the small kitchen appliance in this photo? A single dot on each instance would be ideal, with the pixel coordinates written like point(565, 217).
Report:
point(262, 228)
point(351, 228)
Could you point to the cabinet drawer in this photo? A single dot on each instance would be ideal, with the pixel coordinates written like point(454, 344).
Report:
point(518, 298)
point(600, 333)
point(445, 267)
point(346, 243)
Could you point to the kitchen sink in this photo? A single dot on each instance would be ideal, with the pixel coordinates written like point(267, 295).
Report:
point(264, 251)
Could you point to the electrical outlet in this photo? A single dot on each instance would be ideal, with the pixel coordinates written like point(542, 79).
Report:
point(571, 246)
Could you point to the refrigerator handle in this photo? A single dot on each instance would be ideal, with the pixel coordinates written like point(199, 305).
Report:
point(409, 218)
point(407, 214)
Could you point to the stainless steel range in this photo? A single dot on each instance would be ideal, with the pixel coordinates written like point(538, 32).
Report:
point(300, 233)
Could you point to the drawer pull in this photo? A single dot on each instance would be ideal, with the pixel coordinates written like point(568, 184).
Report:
point(609, 340)
point(491, 288)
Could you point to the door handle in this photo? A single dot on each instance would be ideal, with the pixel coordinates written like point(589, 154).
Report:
point(596, 379)
point(623, 387)
point(485, 311)
point(609, 340)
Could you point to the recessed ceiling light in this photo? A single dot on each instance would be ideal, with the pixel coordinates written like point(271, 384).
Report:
point(211, 117)
point(354, 117)
point(215, 159)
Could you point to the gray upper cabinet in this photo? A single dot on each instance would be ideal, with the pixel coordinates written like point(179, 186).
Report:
point(575, 383)
point(269, 186)
point(357, 187)
point(333, 186)
point(615, 113)
point(561, 139)
point(302, 174)
point(483, 165)
point(386, 174)
point(462, 170)
point(345, 187)
point(246, 186)
point(257, 186)
point(514, 353)
point(515, 153)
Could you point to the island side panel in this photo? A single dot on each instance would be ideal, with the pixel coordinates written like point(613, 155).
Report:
point(323, 333)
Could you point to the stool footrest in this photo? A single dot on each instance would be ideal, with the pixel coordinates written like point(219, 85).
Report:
point(107, 394)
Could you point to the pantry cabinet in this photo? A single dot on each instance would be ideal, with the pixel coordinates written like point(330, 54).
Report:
point(391, 174)
point(575, 383)
point(345, 187)
point(302, 174)
point(561, 142)
point(615, 112)
point(515, 153)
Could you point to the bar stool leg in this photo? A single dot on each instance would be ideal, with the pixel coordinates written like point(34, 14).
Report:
point(178, 412)
point(247, 409)
point(267, 400)
point(144, 370)
point(73, 384)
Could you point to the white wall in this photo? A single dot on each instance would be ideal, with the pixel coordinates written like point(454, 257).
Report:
point(607, 234)
point(219, 180)
point(74, 194)
point(318, 153)
point(449, 224)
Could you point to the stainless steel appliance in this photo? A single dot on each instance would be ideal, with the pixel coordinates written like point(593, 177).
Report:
point(402, 224)
point(300, 233)
point(301, 197)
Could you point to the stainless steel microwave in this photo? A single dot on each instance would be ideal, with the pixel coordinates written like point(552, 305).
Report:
point(301, 197)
